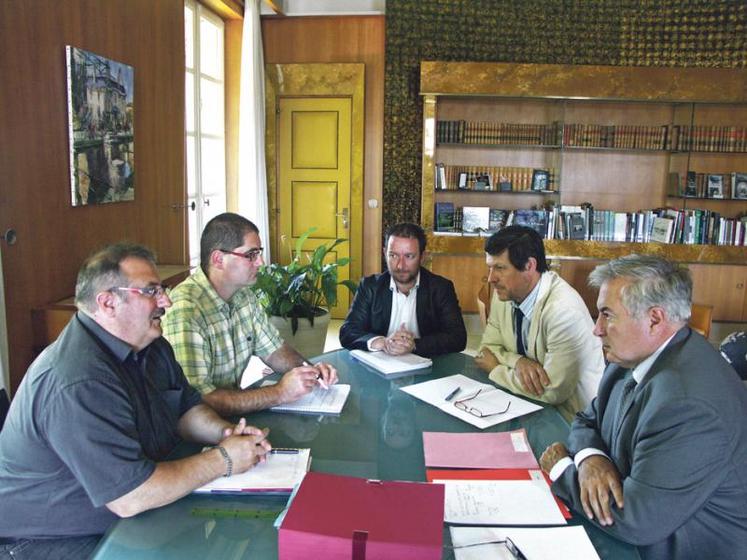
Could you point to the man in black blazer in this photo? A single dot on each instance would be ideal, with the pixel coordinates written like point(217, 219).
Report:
point(407, 308)
point(667, 434)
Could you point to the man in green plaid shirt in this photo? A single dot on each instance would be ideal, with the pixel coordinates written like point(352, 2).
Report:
point(216, 325)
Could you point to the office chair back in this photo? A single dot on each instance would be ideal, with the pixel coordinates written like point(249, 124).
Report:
point(700, 318)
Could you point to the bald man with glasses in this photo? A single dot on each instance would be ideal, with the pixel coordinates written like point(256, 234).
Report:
point(216, 325)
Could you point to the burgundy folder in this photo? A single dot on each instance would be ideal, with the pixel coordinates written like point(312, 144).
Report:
point(341, 517)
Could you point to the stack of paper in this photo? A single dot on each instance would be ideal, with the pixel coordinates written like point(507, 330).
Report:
point(388, 365)
point(279, 473)
point(482, 405)
point(319, 401)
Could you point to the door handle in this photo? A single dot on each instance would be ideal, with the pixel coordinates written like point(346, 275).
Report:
point(345, 218)
point(192, 205)
point(10, 236)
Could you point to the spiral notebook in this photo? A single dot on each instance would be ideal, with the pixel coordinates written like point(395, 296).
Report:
point(388, 365)
point(319, 401)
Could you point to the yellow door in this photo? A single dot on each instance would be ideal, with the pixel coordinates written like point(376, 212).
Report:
point(314, 171)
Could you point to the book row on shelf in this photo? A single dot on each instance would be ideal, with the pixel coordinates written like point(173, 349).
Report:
point(501, 178)
point(709, 185)
point(675, 137)
point(664, 225)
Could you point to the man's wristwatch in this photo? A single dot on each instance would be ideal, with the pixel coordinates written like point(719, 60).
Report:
point(227, 459)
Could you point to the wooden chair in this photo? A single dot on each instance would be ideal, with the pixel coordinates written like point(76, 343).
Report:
point(483, 301)
point(700, 318)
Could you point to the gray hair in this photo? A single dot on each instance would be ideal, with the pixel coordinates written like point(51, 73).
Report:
point(654, 282)
point(101, 272)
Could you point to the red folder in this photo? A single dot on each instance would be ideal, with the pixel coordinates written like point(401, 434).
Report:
point(340, 517)
point(490, 474)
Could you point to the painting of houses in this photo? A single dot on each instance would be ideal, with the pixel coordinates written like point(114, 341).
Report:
point(100, 120)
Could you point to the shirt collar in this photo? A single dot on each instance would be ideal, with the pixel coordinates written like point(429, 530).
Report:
point(640, 371)
point(393, 285)
point(527, 306)
point(116, 346)
point(238, 299)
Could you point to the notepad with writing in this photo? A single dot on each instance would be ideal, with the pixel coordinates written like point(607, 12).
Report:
point(388, 364)
point(319, 401)
point(282, 470)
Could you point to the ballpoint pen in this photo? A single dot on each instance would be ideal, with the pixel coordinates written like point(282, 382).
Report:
point(453, 394)
point(318, 377)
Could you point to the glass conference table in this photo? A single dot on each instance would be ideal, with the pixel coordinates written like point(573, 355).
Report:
point(378, 435)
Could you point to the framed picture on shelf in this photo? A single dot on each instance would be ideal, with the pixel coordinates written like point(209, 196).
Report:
point(715, 186)
point(540, 180)
point(462, 180)
point(483, 183)
point(691, 185)
point(739, 186)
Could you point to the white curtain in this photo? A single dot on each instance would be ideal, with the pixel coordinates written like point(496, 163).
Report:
point(252, 196)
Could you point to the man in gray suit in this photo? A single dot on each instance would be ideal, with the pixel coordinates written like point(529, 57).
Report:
point(659, 458)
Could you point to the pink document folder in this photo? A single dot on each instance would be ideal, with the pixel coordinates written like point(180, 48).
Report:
point(499, 450)
point(340, 517)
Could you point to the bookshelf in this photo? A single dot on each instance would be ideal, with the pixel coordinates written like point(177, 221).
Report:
point(621, 139)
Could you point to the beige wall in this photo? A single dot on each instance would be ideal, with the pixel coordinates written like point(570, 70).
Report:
point(343, 39)
point(53, 237)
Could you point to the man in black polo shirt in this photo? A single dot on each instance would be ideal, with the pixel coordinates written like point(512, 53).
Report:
point(97, 414)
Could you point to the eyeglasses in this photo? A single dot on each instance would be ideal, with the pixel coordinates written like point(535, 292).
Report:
point(152, 292)
point(251, 255)
point(460, 404)
point(509, 544)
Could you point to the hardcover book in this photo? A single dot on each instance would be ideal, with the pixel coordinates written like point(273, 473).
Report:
point(444, 216)
point(535, 219)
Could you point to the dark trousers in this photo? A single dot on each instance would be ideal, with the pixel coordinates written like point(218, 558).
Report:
point(72, 548)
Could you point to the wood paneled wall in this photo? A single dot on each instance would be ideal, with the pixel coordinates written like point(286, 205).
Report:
point(343, 39)
point(54, 237)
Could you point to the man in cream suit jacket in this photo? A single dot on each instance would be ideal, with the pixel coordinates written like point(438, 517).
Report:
point(560, 361)
point(659, 458)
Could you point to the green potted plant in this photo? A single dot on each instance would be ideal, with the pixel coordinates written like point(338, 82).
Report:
point(298, 295)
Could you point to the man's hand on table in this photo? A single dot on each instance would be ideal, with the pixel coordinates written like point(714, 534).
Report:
point(598, 477)
point(531, 375)
point(486, 360)
point(554, 453)
point(245, 445)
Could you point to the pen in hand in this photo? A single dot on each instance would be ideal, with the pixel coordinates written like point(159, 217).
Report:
point(453, 394)
point(318, 377)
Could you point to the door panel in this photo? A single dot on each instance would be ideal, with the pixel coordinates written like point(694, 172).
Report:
point(314, 177)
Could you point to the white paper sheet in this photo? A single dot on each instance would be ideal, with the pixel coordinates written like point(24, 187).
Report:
point(500, 502)
point(279, 473)
point(558, 543)
point(490, 399)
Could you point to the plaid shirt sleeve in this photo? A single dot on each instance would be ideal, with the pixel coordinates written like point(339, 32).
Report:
point(266, 336)
point(191, 345)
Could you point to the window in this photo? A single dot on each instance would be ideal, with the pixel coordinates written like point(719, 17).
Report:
point(205, 123)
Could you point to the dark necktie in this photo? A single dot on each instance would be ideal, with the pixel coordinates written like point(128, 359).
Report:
point(518, 320)
point(625, 397)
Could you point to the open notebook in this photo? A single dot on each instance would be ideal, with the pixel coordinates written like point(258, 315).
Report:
point(279, 474)
point(387, 364)
point(319, 401)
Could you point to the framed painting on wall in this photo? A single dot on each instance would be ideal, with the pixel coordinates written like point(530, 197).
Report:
point(100, 104)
